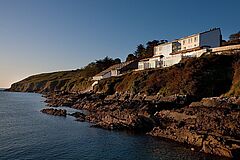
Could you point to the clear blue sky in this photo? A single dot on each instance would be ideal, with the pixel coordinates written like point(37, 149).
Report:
point(50, 35)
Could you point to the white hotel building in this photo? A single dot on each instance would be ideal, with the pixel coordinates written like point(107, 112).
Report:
point(171, 53)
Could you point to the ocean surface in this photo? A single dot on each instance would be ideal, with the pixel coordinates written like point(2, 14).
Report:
point(26, 133)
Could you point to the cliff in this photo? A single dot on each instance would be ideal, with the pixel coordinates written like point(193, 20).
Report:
point(48, 82)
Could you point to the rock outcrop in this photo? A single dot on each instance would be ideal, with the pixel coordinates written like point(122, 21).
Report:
point(211, 125)
point(55, 112)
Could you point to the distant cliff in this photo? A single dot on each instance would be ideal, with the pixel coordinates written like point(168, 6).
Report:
point(48, 82)
point(210, 75)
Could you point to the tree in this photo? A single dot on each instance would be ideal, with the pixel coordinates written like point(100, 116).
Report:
point(130, 57)
point(117, 60)
point(150, 48)
point(162, 41)
point(140, 52)
point(99, 65)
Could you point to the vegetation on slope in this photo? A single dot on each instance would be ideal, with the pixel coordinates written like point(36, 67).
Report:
point(210, 75)
point(235, 88)
point(72, 81)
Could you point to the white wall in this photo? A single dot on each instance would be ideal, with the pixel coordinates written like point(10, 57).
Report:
point(97, 78)
point(114, 72)
point(154, 62)
point(189, 42)
point(174, 59)
point(163, 49)
point(197, 53)
point(143, 65)
point(225, 48)
point(211, 38)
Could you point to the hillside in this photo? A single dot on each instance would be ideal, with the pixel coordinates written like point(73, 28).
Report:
point(149, 101)
point(57, 81)
point(210, 75)
point(70, 81)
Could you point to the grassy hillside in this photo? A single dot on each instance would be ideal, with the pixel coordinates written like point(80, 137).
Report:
point(235, 88)
point(211, 75)
point(64, 80)
point(72, 81)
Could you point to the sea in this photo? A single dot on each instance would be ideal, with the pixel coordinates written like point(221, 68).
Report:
point(28, 134)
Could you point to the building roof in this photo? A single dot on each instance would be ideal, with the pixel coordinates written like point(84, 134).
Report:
point(114, 67)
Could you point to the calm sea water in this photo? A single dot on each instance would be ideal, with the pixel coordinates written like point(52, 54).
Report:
point(26, 133)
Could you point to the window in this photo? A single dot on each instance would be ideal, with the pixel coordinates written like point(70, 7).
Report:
point(183, 42)
point(195, 39)
point(189, 40)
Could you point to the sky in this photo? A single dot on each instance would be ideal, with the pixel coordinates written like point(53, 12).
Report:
point(38, 36)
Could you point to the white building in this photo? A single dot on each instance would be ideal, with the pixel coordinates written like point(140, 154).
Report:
point(116, 70)
point(210, 39)
point(171, 53)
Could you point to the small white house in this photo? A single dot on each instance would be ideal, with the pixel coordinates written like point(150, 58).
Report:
point(102, 75)
point(116, 70)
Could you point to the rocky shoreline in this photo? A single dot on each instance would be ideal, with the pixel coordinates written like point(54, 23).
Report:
point(211, 125)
